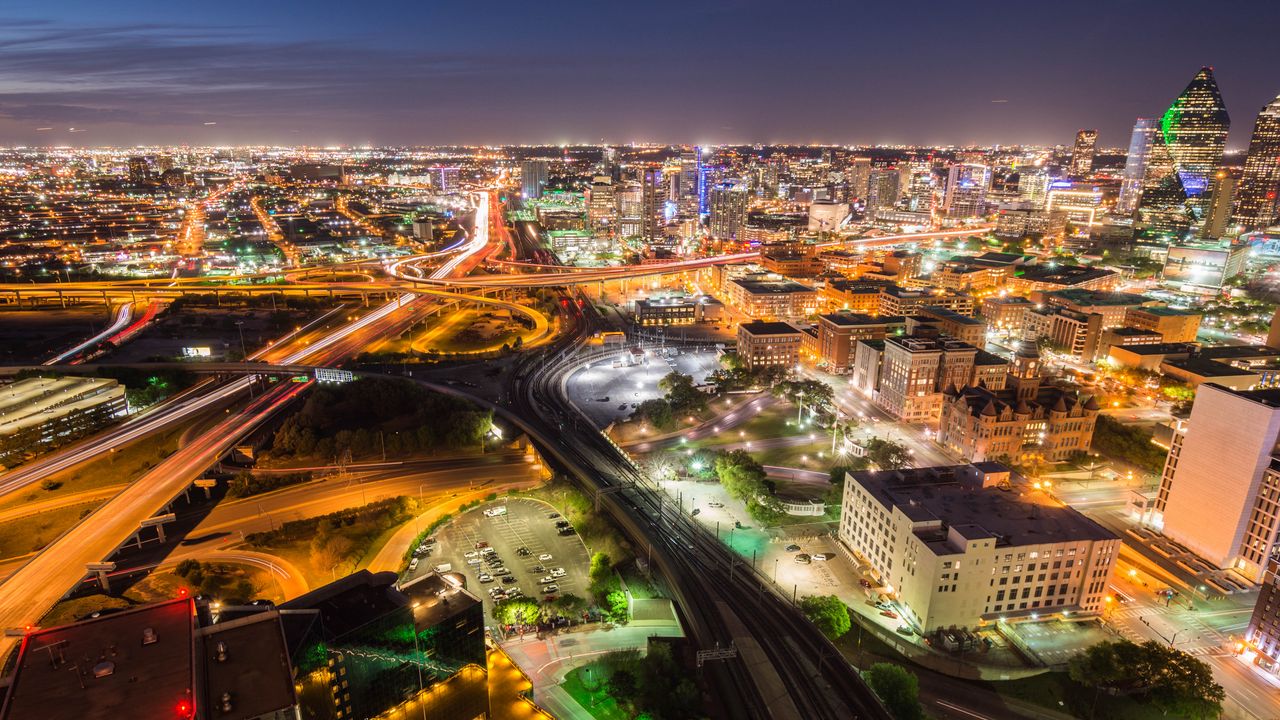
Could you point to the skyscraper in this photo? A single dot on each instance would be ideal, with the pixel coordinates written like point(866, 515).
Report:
point(1082, 153)
point(139, 170)
point(533, 178)
point(728, 212)
point(882, 189)
point(653, 200)
point(1135, 165)
point(857, 175)
point(1256, 201)
point(691, 181)
point(967, 185)
point(1218, 212)
point(602, 205)
point(1185, 153)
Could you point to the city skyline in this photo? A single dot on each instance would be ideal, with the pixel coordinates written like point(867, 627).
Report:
point(236, 74)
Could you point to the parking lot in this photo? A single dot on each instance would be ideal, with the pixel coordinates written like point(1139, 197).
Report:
point(526, 524)
point(628, 385)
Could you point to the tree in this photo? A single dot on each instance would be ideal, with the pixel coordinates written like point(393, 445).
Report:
point(517, 611)
point(658, 412)
point(828, 613)
point(740, 474)
point(887, 455)
point(897, 688)
point(1170, 680)
point(601, 580)
point(682, 395)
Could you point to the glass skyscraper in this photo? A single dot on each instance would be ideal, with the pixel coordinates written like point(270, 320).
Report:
point(1186, 149)
point(1256, 205)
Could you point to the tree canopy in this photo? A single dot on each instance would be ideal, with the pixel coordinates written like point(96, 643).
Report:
point(897, 688)
point(828, 613)
point(1169, 679)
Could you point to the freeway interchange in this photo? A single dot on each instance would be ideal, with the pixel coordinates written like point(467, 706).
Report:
point(765, 660)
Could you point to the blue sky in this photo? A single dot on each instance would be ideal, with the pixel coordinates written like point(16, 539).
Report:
point(427, 71)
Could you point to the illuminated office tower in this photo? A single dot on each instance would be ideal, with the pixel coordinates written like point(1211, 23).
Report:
point(919, 191)
point(1256, 204)
point(653, 200)
point(1218, 211)
point(1082, 153)
point(967, 185)
point(1185, 153)
point(602, 205)
point(1135, 165)
point(533, 178)
point(728, 212)
point(691, 181)
point(857, 176)
point(882, 189)
point(630, 199)
point(1033, 186)
point(139, 170)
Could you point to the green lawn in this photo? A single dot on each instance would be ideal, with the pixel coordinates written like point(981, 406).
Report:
point(124, 465)
point(598, 703)
point(32, 533)
point(1051, 689)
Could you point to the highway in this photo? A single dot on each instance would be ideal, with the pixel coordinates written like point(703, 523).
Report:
point(123, 314)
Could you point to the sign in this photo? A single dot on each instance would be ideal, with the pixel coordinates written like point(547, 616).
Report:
point(334, 376)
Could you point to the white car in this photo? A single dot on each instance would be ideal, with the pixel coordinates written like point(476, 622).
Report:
point(546, 580)
point(544, 557)
point(557, 572)
point(496, 511)
point(551, 589)
point(470, 554)
point(485, 578)
point(413, 564)
point(514, 592)
point(473, 561)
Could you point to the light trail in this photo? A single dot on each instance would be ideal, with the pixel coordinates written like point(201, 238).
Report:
point(122, 320)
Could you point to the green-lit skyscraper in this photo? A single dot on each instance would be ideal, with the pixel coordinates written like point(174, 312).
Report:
point(1256, 206)
point(1185, 153)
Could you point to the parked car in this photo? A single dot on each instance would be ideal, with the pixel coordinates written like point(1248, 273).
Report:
point(413, 564)
point(551, 589)
point(508, 579)
point(523, 551)
point(803, 559)
point(793, 548)
point(889, 614)
point(562, 523)
point(495, 511)
point(473, 561)
point(537, 569)
point(553, 516)
point(471, 554)
point(544, 557)
point(567, 531)
point(715, 504)
point(484, 579)
point(557, 572)
point(481, 545)
point(865, 582)
point(822, 556)
point(546, 580)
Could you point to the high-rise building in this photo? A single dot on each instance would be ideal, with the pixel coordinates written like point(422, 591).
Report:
point(630, 198)
point(1135, 165)
point(602, 205)
point(1185, 153)
point(857, 175)
point(728, 212)
point(918, 193)
point(1221, 481)
point(652, 222)
point(139, 169)
point(1082, 153)
point(533, 178)
point(882, 189)
point(1217, 215)
point(967, 186)
point(1033, 186)
point(1256, 203)
point(691, 188)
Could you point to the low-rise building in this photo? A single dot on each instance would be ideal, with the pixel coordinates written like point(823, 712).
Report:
point(677, 310)
point(771, 297)
point(1074, 333)
point(1173, 324)
point(896, 300)
point(768, 344)
point(857, 296)
point(39, 413)
point(1263, 635)
point(962, 546)
point(953, 324)
point(1052, 276)
point(839, 332)
point(1005, 312)
point(1114, 307)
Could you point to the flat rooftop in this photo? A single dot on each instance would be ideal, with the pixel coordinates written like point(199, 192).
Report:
point(134, 664)
point(1080, 296)
point(762, 327)
point(845, 319)
point(437, 598)
point(771, 287)
point(952, 496)
point(1063, 274)
point(1205, 367)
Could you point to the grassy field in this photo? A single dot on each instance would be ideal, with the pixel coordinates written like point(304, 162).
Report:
point(598, 703)
point(123, 465)
point(32, 533)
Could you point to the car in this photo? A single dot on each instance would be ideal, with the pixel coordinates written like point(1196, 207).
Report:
point(562, 523)
point(803, 559)
point(413, 564)
point(715, 504)
point(508, 579)
point(471, 554)
point(485, 579)
point(823, 556)
point(495, 511)
point(557, 572)
point(489, 551)
point(523, 551)
point(473, 561)
point(865, 583)
point(546, 580)
point(544, 557)
point(443, 568)
point(514, 592)
point(635, 405)
point(500, 570)
point(551, 589)
point(537, 569)
point(553, 516)
point(494, 560)
point(623, 406)
point(567, 531)
point(603, 399)
point(793, 548)
point(482, 545)
point(882, 605)
point(695, 511)
point(889, 614)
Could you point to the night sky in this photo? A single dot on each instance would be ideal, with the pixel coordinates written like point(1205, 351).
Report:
point(463, 71)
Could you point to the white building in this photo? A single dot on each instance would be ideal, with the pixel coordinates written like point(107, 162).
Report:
point(960, 546)
point(1220, 490)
